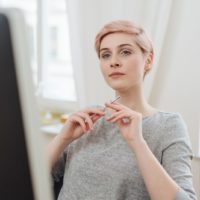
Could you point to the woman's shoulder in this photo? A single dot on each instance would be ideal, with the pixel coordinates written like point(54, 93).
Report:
point(171, 118)
point(165, 116)
point(170, 124)
point(174, 126)
point(168, 114)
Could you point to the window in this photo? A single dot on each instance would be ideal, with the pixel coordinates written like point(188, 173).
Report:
point(58, 80)
point(50, 51)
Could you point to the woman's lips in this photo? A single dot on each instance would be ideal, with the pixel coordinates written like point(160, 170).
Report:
point(116, 75)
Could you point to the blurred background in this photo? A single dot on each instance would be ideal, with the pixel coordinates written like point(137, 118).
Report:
point(65, 67)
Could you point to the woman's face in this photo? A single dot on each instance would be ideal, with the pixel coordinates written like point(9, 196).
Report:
point(120, 54)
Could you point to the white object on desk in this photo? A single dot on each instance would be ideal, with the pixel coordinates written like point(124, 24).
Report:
point(52, 129)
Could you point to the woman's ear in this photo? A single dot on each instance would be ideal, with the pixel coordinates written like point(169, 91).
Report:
point(149, 61)
point(148, 64)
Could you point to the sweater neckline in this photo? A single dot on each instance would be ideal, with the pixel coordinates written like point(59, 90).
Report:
point(151, 116)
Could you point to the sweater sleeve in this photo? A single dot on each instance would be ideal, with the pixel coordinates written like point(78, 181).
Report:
point(58, 169)
point(177, 156)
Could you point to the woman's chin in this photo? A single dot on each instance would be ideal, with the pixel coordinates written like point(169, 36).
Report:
point(119, 88)
point(120, 85)
point(123, 86)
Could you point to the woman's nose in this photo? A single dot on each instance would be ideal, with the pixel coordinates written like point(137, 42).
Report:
point(115, 65)
point(115, 62)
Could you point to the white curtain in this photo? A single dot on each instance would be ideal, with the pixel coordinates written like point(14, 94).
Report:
point(176, 84)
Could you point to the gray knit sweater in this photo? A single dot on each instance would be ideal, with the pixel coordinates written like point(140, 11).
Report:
point(101, 166)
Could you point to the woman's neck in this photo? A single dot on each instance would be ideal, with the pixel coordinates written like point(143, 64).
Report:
point(136, 101)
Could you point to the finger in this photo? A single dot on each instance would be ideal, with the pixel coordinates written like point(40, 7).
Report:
point(123, 116)
point(94, 111)
point(114, 115)
point(80, 121)
point(95, 117)
point(86, 118)
point(114, 106)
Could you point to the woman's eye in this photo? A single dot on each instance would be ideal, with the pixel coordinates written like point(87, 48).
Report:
point(125, 52)
point(106, 55)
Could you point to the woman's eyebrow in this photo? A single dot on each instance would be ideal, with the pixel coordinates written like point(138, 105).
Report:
point(103, 49)
point(119, 46)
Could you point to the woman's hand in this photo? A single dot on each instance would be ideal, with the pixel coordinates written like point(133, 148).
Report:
point(80, 122)
point(128, 120)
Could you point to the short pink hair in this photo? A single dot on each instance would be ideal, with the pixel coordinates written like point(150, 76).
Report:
point(124, 26)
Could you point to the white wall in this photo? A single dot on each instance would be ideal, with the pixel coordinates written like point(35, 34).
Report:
point(177, 84)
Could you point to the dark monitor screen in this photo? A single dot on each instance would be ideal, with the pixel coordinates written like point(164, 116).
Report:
point(15, 173)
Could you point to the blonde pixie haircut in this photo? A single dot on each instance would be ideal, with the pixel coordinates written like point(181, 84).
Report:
point(124, 26)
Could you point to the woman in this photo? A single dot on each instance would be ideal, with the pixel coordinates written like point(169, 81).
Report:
point(127, 150)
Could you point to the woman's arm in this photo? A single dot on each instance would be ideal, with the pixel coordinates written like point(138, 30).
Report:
point(55, 149)
point(159, 184)
point(173, 179)
point(76, 125)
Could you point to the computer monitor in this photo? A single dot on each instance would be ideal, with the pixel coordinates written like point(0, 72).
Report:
point(23, 169)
